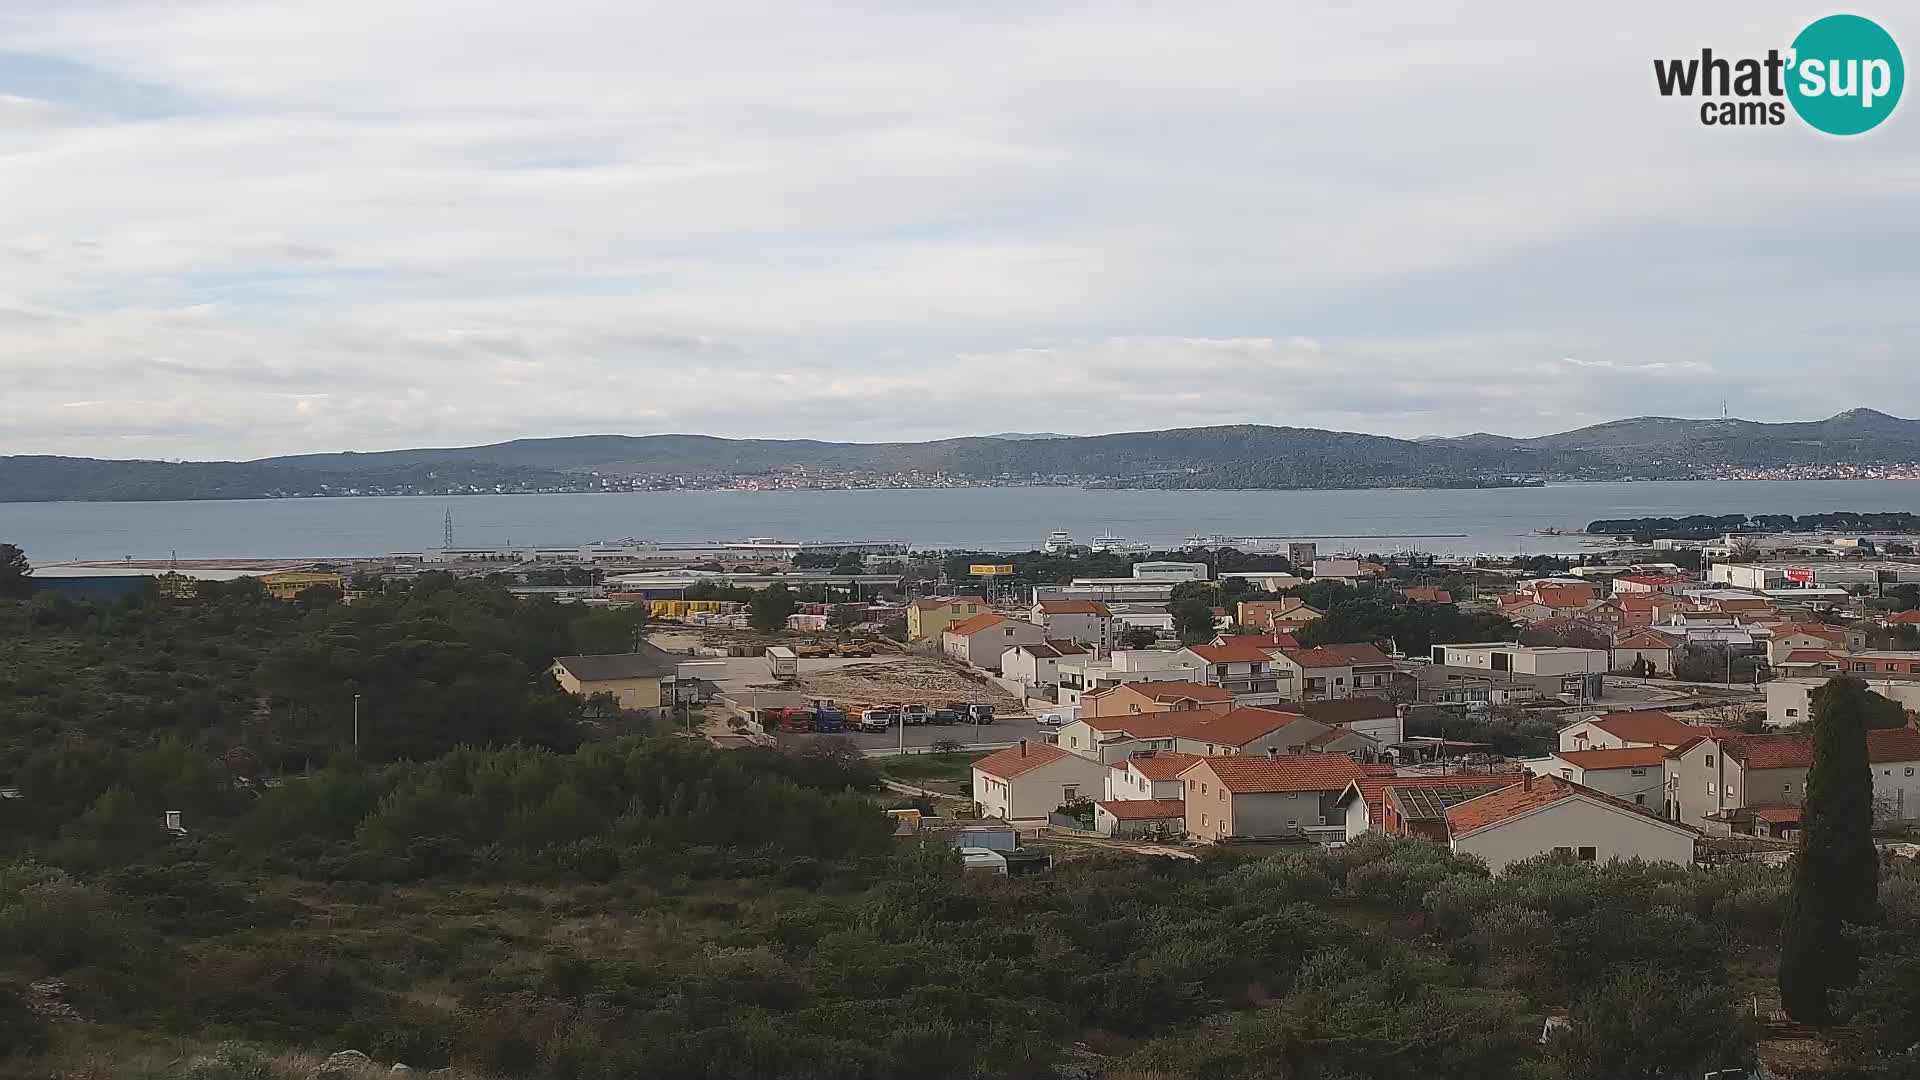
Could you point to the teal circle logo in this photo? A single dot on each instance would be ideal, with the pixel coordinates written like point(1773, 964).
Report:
point(1846, 75)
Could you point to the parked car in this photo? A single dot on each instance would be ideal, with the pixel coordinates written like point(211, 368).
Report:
point(915, 713)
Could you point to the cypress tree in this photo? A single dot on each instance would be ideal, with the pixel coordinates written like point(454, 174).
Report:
point(1836, 871)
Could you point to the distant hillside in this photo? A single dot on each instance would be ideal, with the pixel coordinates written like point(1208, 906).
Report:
point(1237, 456)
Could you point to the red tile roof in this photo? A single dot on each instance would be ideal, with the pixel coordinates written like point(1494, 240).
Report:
point(1376, 768)
point(1424, 594)
point(1260, 641)
point(1904, 618)
point(1339, 711)
point(1654, 579)
point(1516, 799)
point(1819, 630)
point(1786, 751)
point(1636, 601)
point(1359, 654)
point(1648, 726)
point(1239, 727)
point(1024, 758)
point(1145, 809)
point(1644, 639)
point(1632, 757)
point(1324, 656)
point(1180, 690)
point(1073, 607)
point(1158, 765)
point(1237, 650)
point(1813, 656)
point(969, 627)
point(1262, 773)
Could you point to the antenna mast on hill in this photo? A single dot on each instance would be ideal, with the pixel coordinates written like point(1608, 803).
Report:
point(446, 536)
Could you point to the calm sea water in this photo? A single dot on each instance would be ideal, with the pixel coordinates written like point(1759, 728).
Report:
point(1500, 521)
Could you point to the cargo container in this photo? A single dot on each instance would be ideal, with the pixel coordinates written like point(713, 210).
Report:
point(782, 663)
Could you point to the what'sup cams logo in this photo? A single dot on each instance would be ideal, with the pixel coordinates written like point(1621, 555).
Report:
point(1842, 75)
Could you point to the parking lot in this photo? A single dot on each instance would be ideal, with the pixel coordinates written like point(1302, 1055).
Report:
point(969, 736)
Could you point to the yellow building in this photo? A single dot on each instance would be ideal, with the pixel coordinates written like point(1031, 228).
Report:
point(289, 584)
point(636, 679)
point(931, 616)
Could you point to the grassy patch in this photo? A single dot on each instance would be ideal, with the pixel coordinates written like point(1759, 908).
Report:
point(929, 770)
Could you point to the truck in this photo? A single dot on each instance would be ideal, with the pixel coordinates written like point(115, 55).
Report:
point(914, 714)
point(796, 720)
point(856, 648)
point(879, 718)
point(782, 662)
point(943, 717)
point(828, 719)
point(813, 650)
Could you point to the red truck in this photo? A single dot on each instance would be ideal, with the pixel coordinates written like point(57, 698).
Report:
point(796, 720)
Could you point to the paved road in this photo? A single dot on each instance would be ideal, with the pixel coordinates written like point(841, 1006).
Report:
point(920, 737)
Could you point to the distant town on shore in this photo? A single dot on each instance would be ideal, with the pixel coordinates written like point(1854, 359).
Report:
point(1858, 444)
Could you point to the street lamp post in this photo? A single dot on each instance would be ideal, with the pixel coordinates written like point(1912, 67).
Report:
point(356, 721)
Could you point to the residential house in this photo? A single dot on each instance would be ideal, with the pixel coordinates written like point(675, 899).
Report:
point(1256, 796)
point(1028, 781)
point(1427, 594)
point(1368, 669)
point(1130, 699)
point(929, 616)
point(1347, 570)
point(982, 640)
point(1083, 674)
point(1790, 699)
point(1136, 819)
point(1901, 618)
point(1089, 622)
point(1637, 774)
point(1202, 732)
point(1359, 747)
point(1376, 718)
point(1411, 805)
point(1647, 645)
point(1803, 637)
point(634, 679)
point(1038, 664)
point(1547, 814)
point(1818, 664)
point(1884, 663)
point(1733, 770)
point(1245, 666)
point(1616, 730)
point(1285, 615)
point(1318, 674)
point(1150, 774)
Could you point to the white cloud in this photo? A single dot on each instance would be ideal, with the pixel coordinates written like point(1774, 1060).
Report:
point(239, 228)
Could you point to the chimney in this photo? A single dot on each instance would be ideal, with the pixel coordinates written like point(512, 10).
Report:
point(1023, 748)
point(1273, 751)
point(1526, 781)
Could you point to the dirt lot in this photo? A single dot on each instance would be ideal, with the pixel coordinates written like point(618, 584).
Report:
point(903, 681)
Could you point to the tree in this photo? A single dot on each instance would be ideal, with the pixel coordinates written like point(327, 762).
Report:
point(769, 608)
point(1193, 621)
point(1138, 637)
point(16, 574)
point(1836, 870)
point(1647, 1023)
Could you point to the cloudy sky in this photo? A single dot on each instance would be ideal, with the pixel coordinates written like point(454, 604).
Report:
point(233, 229)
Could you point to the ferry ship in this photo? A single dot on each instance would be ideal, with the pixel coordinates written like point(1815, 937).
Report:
point(1057, 540)
point(1107, 542)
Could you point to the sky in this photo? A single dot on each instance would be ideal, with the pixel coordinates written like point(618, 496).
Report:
point(231, 230)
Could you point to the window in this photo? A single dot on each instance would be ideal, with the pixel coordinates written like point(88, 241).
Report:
point(1793, 712)
point(1323, 819)
point(1223, 795)
point(1639, 772)
point(1068, 791)
point(1588, 854)
point(1563, 851)
point(1640, 799)
point(1786, 789)
point(1568, 773)
point(1203, 789)
point(1710, 790)
point(1073, 741)
point(1203, 819)
point(1909, 770)
point(1709, 761)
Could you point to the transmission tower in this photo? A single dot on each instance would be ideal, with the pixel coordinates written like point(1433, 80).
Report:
point(446, 536)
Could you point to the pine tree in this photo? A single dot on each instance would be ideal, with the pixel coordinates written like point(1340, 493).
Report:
point(1836, 870)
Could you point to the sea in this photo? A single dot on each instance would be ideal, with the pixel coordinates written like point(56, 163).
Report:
point(1496, 521)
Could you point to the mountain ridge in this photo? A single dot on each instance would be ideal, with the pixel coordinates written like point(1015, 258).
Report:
point(1234, 456)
